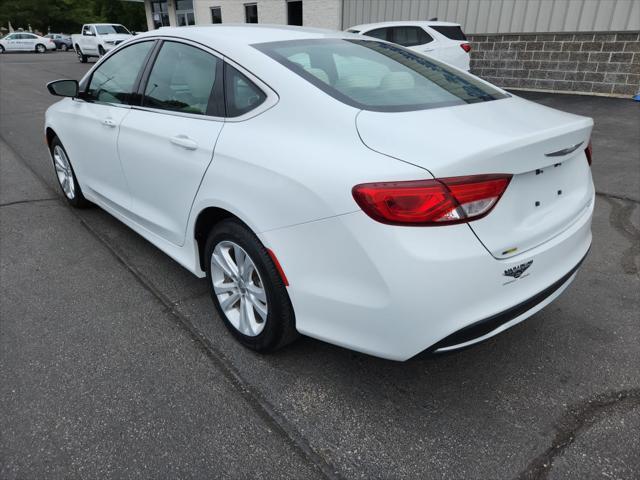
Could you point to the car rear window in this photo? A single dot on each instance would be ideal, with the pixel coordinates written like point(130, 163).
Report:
point(454, 33)
point(378, 76)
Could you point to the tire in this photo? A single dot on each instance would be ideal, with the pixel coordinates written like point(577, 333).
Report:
point(66, 176)
point(277, 329)
point(41, 48)
point(81, 57)
point(1, 49)
point(64, 47)
point(101, 51)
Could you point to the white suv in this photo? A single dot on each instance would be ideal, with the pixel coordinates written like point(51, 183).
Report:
point(443, 41)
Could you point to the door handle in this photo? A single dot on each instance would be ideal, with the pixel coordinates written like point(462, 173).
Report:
point(109, 122)
point(184, 142)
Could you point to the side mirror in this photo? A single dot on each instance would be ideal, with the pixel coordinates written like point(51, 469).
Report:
point(63, 88)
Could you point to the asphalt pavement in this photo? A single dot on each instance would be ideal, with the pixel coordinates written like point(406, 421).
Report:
point(114, 364)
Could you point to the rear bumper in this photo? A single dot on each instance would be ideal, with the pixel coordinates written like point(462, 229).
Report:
point(394, 292)
point(487, 328)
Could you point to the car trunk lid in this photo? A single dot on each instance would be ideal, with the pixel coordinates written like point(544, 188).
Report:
point(550, 186)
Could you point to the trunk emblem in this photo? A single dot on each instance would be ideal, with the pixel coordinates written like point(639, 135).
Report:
point(516, 272)
point(564, 151)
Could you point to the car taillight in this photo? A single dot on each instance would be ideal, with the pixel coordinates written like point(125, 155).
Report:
point(589, 152)
point(466, 47)
point(431, 202)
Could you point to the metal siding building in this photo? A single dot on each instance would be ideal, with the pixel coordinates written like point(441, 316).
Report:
point(502, 16)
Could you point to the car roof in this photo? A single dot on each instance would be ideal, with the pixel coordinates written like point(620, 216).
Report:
point(422, 23)
point(237, 38)
point(246, 34)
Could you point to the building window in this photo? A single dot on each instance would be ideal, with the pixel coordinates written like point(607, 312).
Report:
point(184, 13)
point(294, 12)
point(216, 15)
point(251, 13)
point(160, 13)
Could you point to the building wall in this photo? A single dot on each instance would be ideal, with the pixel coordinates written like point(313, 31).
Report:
point(503, 16)
point(315, 13)
point(600, 63)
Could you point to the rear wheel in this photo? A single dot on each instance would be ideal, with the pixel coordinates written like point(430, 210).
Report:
point(41, 48)
point(66, 176)
point(247, 289)
point(64, 47)
point(81, 56)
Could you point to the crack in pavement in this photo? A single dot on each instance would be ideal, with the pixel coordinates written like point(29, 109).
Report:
point(617, 197)
point(576, 419)
point(20, 202)
point(620, 219)
point(261, 406)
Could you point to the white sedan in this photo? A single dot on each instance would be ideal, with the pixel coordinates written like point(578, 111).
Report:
point(25, 42)
point(331, 185)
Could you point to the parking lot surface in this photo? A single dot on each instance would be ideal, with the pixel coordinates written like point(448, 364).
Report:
point(114, 364)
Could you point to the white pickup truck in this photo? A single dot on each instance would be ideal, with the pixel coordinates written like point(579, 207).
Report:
point(97, 39)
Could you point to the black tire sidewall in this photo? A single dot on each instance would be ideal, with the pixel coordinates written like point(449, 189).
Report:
point(279, 328)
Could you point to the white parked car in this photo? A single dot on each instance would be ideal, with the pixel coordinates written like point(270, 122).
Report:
point(443, 41)
point(331, 185)
point(25, 42)
point(97, 39)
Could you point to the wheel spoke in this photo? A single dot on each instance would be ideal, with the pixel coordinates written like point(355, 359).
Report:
point(260, 308)
point(245, 324)
point(224, 261)
point(257, 292)
point(247, 268)
point(240, 257)
point(230, 301)
point(225, 287)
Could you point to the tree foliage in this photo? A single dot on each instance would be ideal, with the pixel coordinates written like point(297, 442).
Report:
point(68, 15)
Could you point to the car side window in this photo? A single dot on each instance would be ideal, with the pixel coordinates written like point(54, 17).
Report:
point(241, 94)
point(380, 33)
point(182, 80)
point(410, 36)
point(113, 81)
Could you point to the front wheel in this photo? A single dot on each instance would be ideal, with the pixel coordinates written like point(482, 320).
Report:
point(64, 47)
point(1, 49)
point(246, 288)
point(101, 50)
point(41, 48)
point(66, 176)
point(83, 58)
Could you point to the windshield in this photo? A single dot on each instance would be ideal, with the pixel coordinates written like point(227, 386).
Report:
point(379, 76)
point(107, 29)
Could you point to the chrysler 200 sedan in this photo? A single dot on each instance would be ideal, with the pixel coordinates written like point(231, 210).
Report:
point(331, 185)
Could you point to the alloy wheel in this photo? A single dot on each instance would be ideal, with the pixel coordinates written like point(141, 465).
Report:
point(64, 172)
point(239, 288)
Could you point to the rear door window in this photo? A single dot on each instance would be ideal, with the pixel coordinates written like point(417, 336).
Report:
point(182, 80)
point(410, 36)
point(452, 32)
